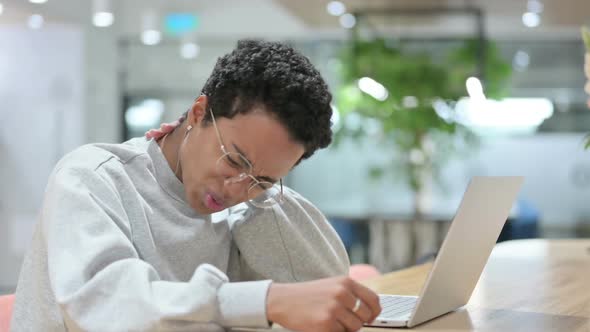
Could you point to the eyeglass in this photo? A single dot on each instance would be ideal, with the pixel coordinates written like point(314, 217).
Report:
point(235, 168)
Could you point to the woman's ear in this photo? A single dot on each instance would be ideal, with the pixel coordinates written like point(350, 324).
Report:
point(197, 112)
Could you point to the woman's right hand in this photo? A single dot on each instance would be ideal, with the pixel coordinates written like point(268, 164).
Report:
point(322, 305)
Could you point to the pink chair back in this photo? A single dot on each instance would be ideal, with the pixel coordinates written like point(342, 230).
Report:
point(6, 302)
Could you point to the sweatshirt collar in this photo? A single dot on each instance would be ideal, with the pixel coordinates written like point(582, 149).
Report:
point(166, 177)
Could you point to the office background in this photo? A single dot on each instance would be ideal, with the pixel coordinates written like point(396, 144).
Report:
point(68, 77)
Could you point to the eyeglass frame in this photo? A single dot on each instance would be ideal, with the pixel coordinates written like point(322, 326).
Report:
point(242, 176)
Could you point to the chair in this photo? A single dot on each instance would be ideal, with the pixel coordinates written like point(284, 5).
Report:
point(6, 302)
point(360, 272)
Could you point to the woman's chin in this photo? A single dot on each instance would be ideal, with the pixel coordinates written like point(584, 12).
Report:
point(196, 204)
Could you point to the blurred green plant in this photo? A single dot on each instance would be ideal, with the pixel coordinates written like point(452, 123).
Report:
point(586, 39)
point(415, 113)
point(410, 97)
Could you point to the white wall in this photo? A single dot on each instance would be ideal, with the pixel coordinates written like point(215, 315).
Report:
point(41, 111)
point(103, 100)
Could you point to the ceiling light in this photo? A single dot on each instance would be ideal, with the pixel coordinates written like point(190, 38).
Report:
point(151, 34)
point(151, 37)
point(189, 50)
point(347, 21)
point(531, 20)
point(103, 19)
point(521, 60)
point(102, 13)
point(35, 21)
point(534, 6)
point(335, 8)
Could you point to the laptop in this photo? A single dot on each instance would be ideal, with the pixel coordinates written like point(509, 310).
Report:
point(471, 237)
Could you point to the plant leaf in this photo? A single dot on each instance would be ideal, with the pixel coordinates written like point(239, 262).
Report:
point(586, 37)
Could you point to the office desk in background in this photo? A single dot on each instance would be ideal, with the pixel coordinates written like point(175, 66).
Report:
point(527, 285)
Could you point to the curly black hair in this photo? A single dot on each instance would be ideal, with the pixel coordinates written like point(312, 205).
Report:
point(279, 78)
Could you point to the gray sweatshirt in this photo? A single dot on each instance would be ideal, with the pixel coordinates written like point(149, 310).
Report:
point(118, 248)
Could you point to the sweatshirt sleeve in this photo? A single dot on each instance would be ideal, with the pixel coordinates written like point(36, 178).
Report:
point(101, 284)
point(290, 242)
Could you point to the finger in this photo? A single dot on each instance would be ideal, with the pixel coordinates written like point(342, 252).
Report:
point(156, 133)
point(338, 327)
point(166, 129)
point(364, 313)
point(370, 298)
point(347, 298)
point(164, 126)
point(349, 320)
point(150, 134)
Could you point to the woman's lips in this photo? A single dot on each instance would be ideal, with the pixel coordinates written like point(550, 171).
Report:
point(213, 202)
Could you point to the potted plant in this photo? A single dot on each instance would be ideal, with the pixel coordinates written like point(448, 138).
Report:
point(410, 96)
point(586, 39)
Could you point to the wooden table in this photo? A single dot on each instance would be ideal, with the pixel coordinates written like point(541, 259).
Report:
point(527, 285)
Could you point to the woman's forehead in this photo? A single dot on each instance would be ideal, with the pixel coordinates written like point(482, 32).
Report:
point(263, 140)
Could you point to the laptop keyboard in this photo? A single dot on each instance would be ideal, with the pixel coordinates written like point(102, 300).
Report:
point(393, 306)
